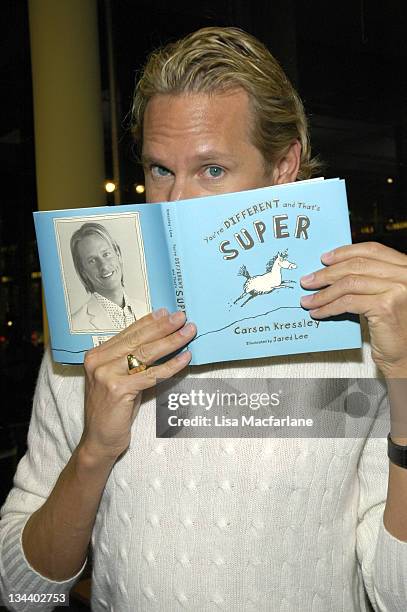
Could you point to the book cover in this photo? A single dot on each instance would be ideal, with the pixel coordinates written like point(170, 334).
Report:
point(233, 262)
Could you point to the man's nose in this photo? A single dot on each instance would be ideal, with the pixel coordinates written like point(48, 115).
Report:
point(102, 265)
point(182, 189)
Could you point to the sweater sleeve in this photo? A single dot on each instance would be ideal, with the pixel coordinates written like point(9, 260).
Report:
point(49, 448)
point(382, 557)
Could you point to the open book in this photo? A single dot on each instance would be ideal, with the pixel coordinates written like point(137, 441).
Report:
point(233, 262)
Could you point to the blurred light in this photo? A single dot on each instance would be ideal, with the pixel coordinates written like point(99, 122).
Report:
point(398, 225)
point(35, 275)
point(6, 279)
point(9, 323)
point(2, 339)
point(110, 187)
point(367, 229)
point(390, 180)
point(139, 188)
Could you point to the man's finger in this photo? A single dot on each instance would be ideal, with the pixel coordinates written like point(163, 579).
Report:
point(150, 352)
point(155, 331)
point(141, 323)
point(359, 266)
point(349, 303)
point(150, 377)
point(370, 250)
point(135, 340)
point(352, 284)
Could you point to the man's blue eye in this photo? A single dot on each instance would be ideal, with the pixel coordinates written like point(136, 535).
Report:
point(215, 171)
point(159, 171)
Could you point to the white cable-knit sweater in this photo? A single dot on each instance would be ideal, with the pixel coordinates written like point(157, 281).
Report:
point(218, 524)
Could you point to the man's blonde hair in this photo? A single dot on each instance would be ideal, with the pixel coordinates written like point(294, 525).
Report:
point(215, 59)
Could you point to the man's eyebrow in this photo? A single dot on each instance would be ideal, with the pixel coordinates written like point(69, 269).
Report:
point(149, 159)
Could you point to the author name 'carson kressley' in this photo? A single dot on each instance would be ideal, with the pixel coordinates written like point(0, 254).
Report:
point(276, 326)
point(220, 420)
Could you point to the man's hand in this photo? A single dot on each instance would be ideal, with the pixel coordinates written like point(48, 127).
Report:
point(369, 279)
point(112, 397)
point(56, 537)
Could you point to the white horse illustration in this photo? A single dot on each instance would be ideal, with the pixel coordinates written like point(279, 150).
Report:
point(269, 281)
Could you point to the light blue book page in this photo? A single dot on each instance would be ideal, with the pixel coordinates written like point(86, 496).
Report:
point(243, 256)
point(77, 321)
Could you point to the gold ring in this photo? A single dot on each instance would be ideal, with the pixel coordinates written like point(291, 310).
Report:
point(134, 365)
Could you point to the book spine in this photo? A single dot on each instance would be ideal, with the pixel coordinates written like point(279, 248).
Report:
point(175, 255)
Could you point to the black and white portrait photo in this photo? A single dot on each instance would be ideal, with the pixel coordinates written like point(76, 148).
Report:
point(104, 272)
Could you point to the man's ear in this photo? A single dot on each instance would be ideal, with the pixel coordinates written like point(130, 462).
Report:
point(286, 168)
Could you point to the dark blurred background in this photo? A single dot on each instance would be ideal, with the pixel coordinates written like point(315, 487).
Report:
point(347, 60)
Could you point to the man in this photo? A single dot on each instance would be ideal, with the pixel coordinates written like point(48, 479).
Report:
point(201, 524)
point(98, 262)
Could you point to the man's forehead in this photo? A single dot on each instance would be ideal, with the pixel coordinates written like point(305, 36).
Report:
point(205, 153)
point(93, 239)
point(213, 98)
point(207, 119)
